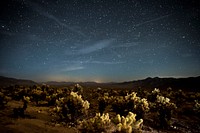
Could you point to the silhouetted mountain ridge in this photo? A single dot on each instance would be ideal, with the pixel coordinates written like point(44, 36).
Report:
point(7, 81)
point(189, 84)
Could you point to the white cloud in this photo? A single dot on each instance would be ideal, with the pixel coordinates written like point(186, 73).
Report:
point(96, 46)
point(72, 68)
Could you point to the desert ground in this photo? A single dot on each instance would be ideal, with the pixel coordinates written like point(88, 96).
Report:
point(38, 117)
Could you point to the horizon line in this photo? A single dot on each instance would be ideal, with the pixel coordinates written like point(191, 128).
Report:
point(40, 82)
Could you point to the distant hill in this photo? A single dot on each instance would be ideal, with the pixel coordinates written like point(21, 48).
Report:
point(55, 83)
point(189, 84)
point(6, 81)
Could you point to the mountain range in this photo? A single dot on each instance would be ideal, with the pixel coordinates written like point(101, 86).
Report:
point(189, 84)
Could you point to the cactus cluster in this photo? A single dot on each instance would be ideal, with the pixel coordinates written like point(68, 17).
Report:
point(99, 123)
point(128, 124)
point(70, 107)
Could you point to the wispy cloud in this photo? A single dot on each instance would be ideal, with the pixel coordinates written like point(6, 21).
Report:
point(126, 45)
point(153, 20)
point(72, 68)
point(106, 62)
point(96, 46)
point(95, 62)
point(41, 11)
point(65, 67)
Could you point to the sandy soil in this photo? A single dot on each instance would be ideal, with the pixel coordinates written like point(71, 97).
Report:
point(36, 121)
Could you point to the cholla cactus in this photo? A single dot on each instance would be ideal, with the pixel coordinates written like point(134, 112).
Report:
point(3, 100)
point(51, 99)
point(71, 107)
point(119, 104)
point(165, 109)
point(85, 104)
point(37, 91)
point(57, 109)
point(131, 96)
point(164, 102)
point(128, 124)
point(98, 124)
point(153, 95)
point(155, 91)
point(197, 106)
point(137, 105)
point(38, 95)
point(78, 88)
point(130, 103)
point(26, 99)
point(103, 102)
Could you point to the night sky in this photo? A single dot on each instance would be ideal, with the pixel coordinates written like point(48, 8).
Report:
point(99, 40)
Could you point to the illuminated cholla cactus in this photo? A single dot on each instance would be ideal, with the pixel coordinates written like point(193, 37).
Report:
point(155, 91)
point(85, 104)
point(197, 106)
point(3, 100)
point(128, 124)
point(130, 103)
point(131, 96)
point(164, 101)
point(57, 109)
point(137, 105)
point(103, 102)
point(70, 107)
point(26, 99)
point(99, 123)
point(144, 103)
point(117, 119)
point(104, 118)
point(165, 109)
point(78, 88)
point(152, 97)
point(118, 104)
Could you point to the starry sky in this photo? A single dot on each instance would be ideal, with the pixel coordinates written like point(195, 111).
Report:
point(99, 40)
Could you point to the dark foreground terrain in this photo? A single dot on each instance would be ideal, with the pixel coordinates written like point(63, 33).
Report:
point(38, 116)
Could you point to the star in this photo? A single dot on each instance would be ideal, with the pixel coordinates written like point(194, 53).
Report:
point(94, 40)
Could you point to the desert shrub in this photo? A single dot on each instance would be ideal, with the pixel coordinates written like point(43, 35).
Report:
point(51, 99)
point(19, 112)
point(128, 124)
point(130, 103)
point(103, 102)
point(180, 98)
point(137, 105)
point(3, 100)
point(141, 92)
point(18, 94)
point(196, 107)
point(164, 111)
point(153, 95)
point(71, 107)
point(98, 124)
point(103, 123)
point(118, 105)
point(38, 95)
point(77, 88)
